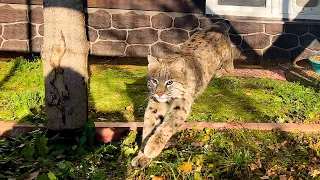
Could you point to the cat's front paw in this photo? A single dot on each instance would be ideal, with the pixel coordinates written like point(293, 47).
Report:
point(140, 161)
point(152, 148)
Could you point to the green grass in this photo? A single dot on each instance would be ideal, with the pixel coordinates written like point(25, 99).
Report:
point(21, 89)
point(119, 93)
point(115, 90)
point(192, 154)
point(257, 100)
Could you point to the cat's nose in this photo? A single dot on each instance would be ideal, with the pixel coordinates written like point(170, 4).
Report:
point(160, 93)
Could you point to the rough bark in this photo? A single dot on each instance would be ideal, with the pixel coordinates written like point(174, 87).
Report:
point(65, 56)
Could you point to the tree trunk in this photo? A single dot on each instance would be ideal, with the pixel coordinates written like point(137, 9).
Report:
point(65, 64)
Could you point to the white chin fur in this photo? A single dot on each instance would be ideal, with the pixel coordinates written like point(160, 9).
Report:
point(161, 100)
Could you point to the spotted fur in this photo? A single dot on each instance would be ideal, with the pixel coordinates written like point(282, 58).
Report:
point(174, 82)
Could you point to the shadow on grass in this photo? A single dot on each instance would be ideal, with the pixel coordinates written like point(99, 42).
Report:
point(10, 73)
point(124, 86)
point(227, 100)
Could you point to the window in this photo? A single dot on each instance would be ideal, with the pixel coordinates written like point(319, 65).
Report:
point(251, 3)
point(306, 6)
point(307, 3)
point(288, 9)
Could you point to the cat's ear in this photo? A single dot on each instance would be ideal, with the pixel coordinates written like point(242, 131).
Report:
point(178, 64)
point(152, 62)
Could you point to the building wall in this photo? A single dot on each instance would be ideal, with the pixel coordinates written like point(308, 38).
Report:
point(114, 32)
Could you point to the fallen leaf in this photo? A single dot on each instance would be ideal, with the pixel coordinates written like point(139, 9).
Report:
point(157, 178)
point(283, 177)
point(136, 171)
point(264, 177)
point(253, 166)
point(60, 156)
point(130, 108)
point(258, 156)
point(206, 139)
point(272, 172)
point(302, 166)
point(217, 95)
point(33, 175)
point(315, 173)
point(271, 147)
point(258, 142)
point(284, 143)
point(297, 102)
point(314, 160)
point(199, 160)
point(248, 94)
point(197, 144)
point(198, 169)
point(185, 167)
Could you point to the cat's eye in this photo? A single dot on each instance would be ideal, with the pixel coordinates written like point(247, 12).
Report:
point(154, 81)
point(169, 82)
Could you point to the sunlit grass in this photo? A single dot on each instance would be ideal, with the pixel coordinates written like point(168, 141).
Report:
point(119, 93)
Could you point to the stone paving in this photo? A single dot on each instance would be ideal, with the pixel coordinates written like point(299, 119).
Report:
point(259, 73)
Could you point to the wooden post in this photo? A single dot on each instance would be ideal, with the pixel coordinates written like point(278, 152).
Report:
point(65, 64)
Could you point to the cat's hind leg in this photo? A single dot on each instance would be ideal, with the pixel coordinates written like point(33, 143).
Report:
point(177, 114)
point(154, 115)
point(229, 66)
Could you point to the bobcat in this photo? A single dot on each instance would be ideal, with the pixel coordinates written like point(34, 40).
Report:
point(174, 82)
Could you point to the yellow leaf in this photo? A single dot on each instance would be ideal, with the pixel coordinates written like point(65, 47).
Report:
point(185, 167)
point(297, 102)
point(130, 108)
point(136, 171)
point(211, 165)
point(205, 139)
point(315, 173)
point(199, 160)
point(302, 166)
point(249, 94)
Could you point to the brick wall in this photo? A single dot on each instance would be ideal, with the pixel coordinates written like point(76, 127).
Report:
point(139, 33)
